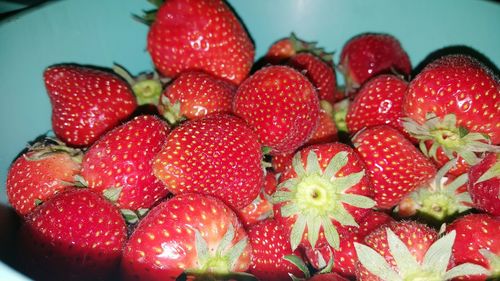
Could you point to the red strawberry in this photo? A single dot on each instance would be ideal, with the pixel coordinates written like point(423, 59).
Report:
point(269, 246)
point(325, 191)
point(217, 155)
point(345, 257)
point(282, 162)
point(452, 107)
point(327, 277)
point(194, 94)
point(39, 173)
point(477, 242)
point(368, 55)
point(285, 48)
point(120, 163)
point(408, 250)
point(379, 101)
point(394, 165)
point(188, 232)
point(320, 73)
point(280, 105)
point(260, 208)
point(200, 34)
point(484, 184)
point(324, 275)
point(76, 235)
point(86, 102)
point(438, 201)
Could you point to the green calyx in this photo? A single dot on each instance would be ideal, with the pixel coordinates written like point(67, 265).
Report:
point(317, 198)
point(147, 88)
point(310, 47)
point(452, 139)
point(149, 16)
point(339, 115)
point(493, 261)
point(433, 267)
point(440, 200)
point(171, 111)
point(51, 145)
point(221, 260)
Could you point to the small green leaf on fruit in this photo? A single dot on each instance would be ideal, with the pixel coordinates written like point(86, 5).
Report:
point(112, 193)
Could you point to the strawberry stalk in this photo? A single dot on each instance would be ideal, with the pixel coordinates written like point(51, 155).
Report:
point(147, 88)
point(452, 139)
point(316, 198)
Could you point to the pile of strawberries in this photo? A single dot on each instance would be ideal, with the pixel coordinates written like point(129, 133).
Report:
point(219, 168)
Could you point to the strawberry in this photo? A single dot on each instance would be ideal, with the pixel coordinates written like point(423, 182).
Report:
point(345, 257)
point(204, 35)
point(189, 232)
point(45, 169)
point(120, 163)
point(395, 167)
point(269, 247)
point(325, 274)
point(368, 55)
point(86, 102)
point(327, 277)
point(325, 191)
point(76, 235)
point(451, 109)
point(282, 162)
point(484, 184)
point(408, 250)
point(283, 49)
point(217, 155)
point(440, 200)
point(261, 208)
point(194, 94)
point(319, 72)
point(379, 101)
point(280, 105)
point(477, 242)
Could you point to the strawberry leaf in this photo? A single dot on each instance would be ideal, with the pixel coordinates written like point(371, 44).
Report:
point(112, 193)
point(465, 269)
point(338, 161)
point(375, 263)
point(299, 263)
point(297, 232)
point(438, 255)
point(129, 216)
point(405, 261)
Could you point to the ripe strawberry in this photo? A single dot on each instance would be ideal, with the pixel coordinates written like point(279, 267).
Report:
point(204, 35)
point(484, 184)
point(120, 163)
point(408, 250)
point(280, 105)
point(282, 162)
point(86, 102)
point(285, 48)
point(327, 277)
point(451, 109)
point(368, 55)
point(261, 208)
point(395, 167)
point(188, 232)
point(325, 191)
point(477, 242)
point(319, 72)
point(194, 94)
point(45, 169)
point(379, 101)
point(269, 246)
point(76, 235)
point(217, 155)
point(345, 257)
point(439, 201)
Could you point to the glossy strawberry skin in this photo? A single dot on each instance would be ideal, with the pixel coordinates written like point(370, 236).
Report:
point(367, 55)
point(327, 277)
point(31, 179)
point(325, 153)
point(485, 194)
point(199, 94)
point(280, 51)
point(394, 164)
point(345, 257)
point(416, 236)
point(458, 85)
point(217, 155)
point(320, 73)
point(123, 158)
point(260, 208)
point(205, 35)
point(76, 235)
point(86, 102)
point(280, 105)
point(379, 101)
point(163, 244)
point(269, 246)
point(475, 232)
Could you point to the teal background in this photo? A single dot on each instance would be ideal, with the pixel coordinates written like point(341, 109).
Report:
point(103, 32)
